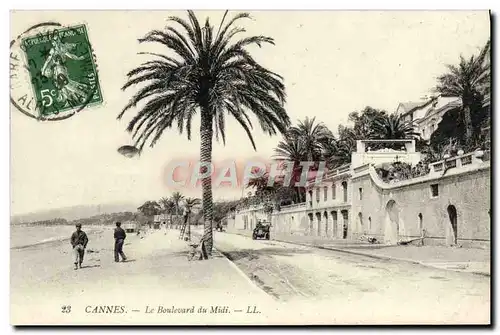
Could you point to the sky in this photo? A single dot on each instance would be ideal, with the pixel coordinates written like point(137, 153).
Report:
point(333, 63)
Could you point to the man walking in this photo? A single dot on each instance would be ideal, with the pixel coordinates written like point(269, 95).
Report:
point(79, 242)
point(120, 236)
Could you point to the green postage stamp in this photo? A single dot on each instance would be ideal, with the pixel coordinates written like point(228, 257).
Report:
point(62, 70)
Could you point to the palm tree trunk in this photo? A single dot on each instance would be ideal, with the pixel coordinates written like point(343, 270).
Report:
point(189, 227)
point(206, 132)
point(468, 125)
point(176, 216)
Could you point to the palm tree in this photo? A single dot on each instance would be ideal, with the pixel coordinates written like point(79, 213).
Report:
point(333, 152)
point(292, 149)
point(190, 203)
point(263, 191)
point(337, 152)
point(176, 199)
point(393, 127)
point(168, 207)
point(470, 81)
point(210, 76)
point(311, 135)
point(259, 183)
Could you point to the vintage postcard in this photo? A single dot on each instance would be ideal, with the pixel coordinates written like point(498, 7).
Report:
point(250, 168)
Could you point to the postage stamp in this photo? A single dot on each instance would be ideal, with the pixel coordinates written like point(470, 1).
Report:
point(62, 74)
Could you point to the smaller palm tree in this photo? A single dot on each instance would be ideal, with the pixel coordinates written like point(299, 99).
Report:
point(337, 151)
point(310, 134)
point(177, 198)
point(393, 127)
point(331, 152)
point(291, 148)
point(260, 184)
point(168, 207)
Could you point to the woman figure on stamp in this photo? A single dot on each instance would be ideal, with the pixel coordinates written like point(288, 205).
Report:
point(55, 69)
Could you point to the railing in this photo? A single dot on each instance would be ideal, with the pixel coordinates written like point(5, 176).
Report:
point(451, 163)
point(438, 166)
point(472, 158)
point(466, 160)
point(343, 169)
point(293, 206)
point(338, 171)
point(361, 168)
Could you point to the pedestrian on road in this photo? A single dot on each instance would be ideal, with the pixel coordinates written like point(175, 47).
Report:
point(79, 242)
point(120, 236)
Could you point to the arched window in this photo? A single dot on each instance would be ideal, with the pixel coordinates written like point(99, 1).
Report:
point(334, 223)
point(325, 191)
point(452, 213)
point(344, 189)
point(345, 223)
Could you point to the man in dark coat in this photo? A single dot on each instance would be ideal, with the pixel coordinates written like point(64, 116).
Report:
point(120, 236)
point(79, 242)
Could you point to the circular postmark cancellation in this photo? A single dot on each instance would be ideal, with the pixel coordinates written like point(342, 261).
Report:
point(53, 73)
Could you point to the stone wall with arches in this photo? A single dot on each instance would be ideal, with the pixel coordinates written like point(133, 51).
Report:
point(450, 209)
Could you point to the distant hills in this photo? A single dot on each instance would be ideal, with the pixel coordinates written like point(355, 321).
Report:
point(73, 212)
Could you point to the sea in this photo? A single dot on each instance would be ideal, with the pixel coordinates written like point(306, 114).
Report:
point(22, 236)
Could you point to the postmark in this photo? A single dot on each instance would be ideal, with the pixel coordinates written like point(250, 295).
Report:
point(53, 72)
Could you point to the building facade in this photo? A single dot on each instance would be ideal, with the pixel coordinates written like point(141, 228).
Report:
point(449, 206)
point(428, 113)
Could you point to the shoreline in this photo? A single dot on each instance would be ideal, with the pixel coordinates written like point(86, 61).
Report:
point(54, 240)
